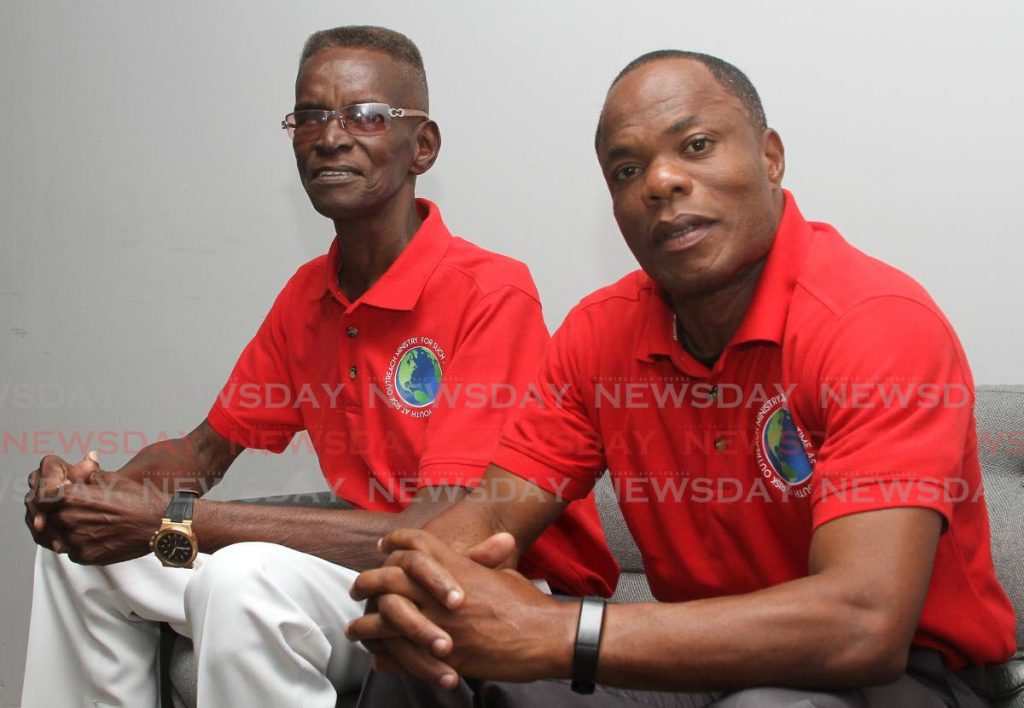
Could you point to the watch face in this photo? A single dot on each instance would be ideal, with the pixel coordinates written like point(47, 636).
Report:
point(174, 547)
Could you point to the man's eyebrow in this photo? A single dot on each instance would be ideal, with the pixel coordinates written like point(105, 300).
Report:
point(310, 106)
point(681, 125)
point(618, 151)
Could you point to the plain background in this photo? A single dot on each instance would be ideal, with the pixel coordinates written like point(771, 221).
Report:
point(151, 210)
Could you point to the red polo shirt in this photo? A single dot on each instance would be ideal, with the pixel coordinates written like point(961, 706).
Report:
point(409, 385)
point(844, 390)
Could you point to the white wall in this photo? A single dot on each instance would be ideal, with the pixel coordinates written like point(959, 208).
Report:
point(150, 210)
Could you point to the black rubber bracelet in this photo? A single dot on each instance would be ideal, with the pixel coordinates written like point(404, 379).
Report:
point(588, 644)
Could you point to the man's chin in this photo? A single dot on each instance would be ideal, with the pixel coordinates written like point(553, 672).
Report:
point(346, 210)
point(688, 286)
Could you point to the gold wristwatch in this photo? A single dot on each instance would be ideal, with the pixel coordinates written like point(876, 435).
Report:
point(174, 543)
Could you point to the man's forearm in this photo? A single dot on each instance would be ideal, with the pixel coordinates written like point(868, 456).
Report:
point(501, 502)
point(197, 461)
point(345, 537)
point(850, 622)
point(800, 633)
point(465, 524)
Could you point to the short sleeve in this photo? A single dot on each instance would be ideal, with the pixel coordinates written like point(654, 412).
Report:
point(554, 441)
point(896, 403)
point(247, 410)
point(482, 385)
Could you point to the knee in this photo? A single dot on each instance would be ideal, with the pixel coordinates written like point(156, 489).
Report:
point(49, 572)
point(47, 563)
point(231, 573)
point(55, 570)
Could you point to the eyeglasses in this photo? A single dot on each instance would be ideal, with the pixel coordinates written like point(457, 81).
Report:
point(357, 119)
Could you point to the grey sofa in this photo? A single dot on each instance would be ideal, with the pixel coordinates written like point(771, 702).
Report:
point(1000, 418)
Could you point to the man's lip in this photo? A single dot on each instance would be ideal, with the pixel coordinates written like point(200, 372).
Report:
point(334, 171)
point(681, 231)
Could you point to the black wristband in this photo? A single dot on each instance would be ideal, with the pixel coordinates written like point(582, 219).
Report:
point(588, 644)
point(180, 508)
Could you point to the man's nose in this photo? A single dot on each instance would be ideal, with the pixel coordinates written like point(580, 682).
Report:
point(665, 178)
point(333, 137)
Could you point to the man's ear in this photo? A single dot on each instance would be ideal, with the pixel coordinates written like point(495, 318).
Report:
point(428, 145)
point(774, 156)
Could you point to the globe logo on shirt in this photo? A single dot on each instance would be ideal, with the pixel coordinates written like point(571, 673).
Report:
point(784, 448)
point(418, 377)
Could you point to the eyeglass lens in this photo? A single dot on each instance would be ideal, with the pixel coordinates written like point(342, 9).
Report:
point(359, 119)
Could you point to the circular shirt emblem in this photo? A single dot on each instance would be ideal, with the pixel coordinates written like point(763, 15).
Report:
point(418, 377)
point(784, 449)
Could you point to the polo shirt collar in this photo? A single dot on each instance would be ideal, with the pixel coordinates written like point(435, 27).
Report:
point(401, 285)
point(765, 320)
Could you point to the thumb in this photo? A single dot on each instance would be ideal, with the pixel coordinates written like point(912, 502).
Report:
point(495, 551)
point(84, 470)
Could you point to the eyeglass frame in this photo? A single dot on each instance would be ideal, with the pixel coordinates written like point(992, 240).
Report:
point(391, 113)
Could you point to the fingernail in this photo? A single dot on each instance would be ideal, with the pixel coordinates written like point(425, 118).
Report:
point(39, 521)
point(453, 598)
point(380, 545)
point(449, 680)
point(94, 456)
point(439, 646)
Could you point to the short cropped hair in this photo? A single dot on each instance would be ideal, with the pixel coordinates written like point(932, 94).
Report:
point(394, 44)
point(728, 76)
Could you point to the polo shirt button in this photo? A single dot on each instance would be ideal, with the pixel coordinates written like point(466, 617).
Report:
point(713, 392)
point(352, 372)
point(351, 331)
point(721, 443)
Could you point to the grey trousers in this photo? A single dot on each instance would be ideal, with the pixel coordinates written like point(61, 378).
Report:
point(926, 684)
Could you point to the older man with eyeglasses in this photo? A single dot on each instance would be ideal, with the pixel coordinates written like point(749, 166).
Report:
point(370, 348)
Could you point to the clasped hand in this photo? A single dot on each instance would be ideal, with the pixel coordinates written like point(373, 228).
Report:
point(95, 517)
point(436, 613)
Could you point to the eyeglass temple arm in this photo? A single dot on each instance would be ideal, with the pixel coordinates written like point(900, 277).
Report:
point(407, 113)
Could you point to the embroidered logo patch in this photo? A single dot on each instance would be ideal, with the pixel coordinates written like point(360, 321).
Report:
point(783, 452)
point(414, 375)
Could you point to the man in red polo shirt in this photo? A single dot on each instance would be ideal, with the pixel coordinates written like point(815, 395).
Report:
point(398, 352)
point(788, 424)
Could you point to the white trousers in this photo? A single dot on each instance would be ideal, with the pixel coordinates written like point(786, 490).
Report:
point(267, 623)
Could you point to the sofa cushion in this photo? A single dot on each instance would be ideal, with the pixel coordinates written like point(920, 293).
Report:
point(999, 412)
point(632, 585)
